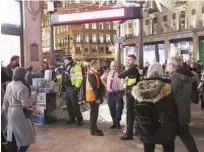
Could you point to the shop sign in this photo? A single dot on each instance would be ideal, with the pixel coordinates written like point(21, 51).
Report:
point(201, 52)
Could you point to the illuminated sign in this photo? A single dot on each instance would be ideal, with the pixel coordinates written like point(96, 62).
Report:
point(112, 14)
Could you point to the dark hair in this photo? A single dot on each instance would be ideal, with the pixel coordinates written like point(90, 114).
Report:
point(24, 82)
point(30, 68)
point(15, 57)
point(132, 56)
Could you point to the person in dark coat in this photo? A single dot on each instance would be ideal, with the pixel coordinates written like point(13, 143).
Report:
point(41, 74)
point(14, 62)
point(181, 81)
point(4, 77)
point(157, 92)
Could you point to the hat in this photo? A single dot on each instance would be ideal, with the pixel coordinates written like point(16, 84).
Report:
point(19, 73)
point(155, 70)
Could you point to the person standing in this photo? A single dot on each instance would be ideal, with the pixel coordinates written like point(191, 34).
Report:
point(115, 94)
point(41, 73)
point(30, 75)
point(132, 77)
point(181, 82)
point(71, 81)
point(95, 91)
point(14, 62)
point(20, 132)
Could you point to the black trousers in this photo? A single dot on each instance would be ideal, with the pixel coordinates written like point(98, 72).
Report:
point(12, 146)
point(94, 116)
point(149, 147)
point(187, 138)
point(72, 100)
point(130, 114)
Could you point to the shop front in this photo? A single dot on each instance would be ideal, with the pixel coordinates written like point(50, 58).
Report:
point(154, 52)
point(182, 47)
point(201, 49)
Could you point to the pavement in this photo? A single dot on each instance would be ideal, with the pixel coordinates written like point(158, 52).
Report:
point(60, 137)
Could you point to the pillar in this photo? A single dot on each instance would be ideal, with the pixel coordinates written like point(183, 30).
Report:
point(32, 33)
point(195, 46)
point(140, 40)
point(167, 48)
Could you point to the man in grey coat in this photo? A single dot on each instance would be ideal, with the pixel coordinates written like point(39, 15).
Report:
point(19, 128)
point(182, 86)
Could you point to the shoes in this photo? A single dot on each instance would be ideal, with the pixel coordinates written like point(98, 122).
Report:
point(99, 130)
point(126, 137)
point(118, 126)
point(71, 121)
point(97, 133)
point(79, 123)
point(113, 126)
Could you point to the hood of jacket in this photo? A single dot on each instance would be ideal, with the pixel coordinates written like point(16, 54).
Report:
point(151, 91)
point(182, 77)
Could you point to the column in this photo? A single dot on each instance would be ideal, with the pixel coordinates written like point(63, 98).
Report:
point(167, 48)
point(140, 41)
point(32, 34)
point(195, 46)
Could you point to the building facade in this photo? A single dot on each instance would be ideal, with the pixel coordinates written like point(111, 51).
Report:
point(83, 41)
point(178, 31)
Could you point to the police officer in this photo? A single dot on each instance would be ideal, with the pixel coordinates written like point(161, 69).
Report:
point(131, 76)
point(71, 82)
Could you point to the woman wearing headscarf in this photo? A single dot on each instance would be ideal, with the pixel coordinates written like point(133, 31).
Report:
point(20, 131)
point(155, 111)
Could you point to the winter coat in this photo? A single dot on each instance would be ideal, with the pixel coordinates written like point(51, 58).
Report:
point(182, 87)
point(16, 97)
point(158, 94)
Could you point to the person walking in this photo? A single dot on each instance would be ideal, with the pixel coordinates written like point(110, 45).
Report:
point(132, 77)
point(95, 91)
point(20, 131)
point(115, 89)
point(181, 82)
point(71, 81)
point(156, 115)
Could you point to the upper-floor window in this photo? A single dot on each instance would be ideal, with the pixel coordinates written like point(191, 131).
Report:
point(93, 25)
point(130, 25)
point(101, 26)
point(101, 50)
point(114, 26)
point(174, 16)
point(203, 10)
point(108, 38)
point(108, 26)
point(101, 39)
point(94, 38)
point(78, 38)
point(155, 20)
point(165, 18)
point(146, 22)
point(86, 26)
point(86, 38)
point(86, 50)
point(182, 14)
point(193, 11)
point(78, 50)
point(94, 50)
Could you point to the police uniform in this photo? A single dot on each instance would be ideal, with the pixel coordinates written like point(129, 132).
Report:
point(71, 80)
point(114, 85)
point(131, 76)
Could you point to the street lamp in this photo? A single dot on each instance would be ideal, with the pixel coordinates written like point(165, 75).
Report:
point(50, 11)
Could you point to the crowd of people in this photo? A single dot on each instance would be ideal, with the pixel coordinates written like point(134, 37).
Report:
point(158, 102)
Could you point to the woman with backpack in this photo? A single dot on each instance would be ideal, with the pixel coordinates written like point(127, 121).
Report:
point(155, 112)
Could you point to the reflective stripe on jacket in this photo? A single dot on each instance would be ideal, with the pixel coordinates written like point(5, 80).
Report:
point(129, 82)
point(90, 96)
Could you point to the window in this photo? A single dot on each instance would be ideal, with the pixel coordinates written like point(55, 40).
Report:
point(108, 51)
point(114, 26)
point(182, 14)
point(101, 26)
point(94, 50)
point(94, 39)
point(93, 25)
point(78, 38)
point(174, 16)
point(203, 10)
point(78, 50)
point(101, 50)
point(193, 11)
point(86, 50)
point(165, 18)
point(101, 39)
point(130, 25)
point(107, 37)
point(86, 26)
point(146, 22)
point(86, 38)
point(108, 26)
point(155, 20)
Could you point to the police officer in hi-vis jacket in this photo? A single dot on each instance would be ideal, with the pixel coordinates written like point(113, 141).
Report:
point(131, 76)
point(71, 81)
point(94, 95)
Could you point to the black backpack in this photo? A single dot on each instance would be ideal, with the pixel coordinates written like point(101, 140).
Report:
point(146, 119)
